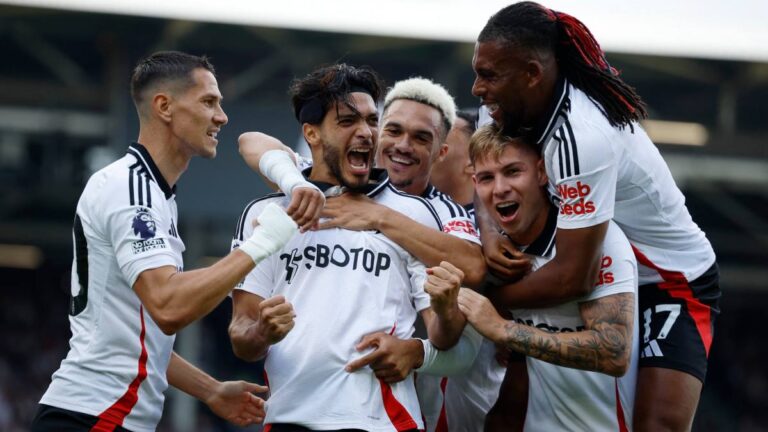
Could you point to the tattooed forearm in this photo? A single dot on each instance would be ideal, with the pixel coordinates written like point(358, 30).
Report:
point(604, 346)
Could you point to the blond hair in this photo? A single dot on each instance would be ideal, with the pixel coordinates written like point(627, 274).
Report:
point(427, 92)
point(489, 142)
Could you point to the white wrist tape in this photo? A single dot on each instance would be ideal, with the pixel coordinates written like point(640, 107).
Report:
point(455, 360)
point(279, 168)
point(274, 230)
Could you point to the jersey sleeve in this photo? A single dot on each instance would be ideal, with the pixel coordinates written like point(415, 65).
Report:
point(454, 218)
point(138, 233)
point(583, 172)
point(418, 276)
point(260, 280)
point(618, 267)
point(424, 212)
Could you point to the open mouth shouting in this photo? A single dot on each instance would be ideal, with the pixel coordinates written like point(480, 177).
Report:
point(359, 160)
point(507, 210)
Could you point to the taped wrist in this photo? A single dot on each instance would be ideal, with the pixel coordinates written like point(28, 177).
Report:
point(279, 168)
point(274, 230)
point(455, 360)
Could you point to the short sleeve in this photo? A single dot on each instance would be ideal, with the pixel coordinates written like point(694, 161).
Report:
point(417, 273)
point(139, 240)
point(463, 227)
point(583, 174)
point(260, 280)
point(618, 267)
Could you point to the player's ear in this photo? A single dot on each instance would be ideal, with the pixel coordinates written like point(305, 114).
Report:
point(441, 152)
point(161, 106)
point(534, 72)
point(311, 134)
point(541, 172)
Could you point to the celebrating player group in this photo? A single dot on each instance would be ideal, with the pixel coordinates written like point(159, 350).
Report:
point(542, 243)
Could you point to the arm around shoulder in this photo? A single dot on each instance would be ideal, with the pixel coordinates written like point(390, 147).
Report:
point(433, 246)
point(570, 275)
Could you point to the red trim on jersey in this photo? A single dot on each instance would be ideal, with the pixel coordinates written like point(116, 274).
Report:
point(677, 286)
point(400, 417)
point(116, 414)
point(620, 410)
point(442, 421)
point(267, 427)
point(396, 412)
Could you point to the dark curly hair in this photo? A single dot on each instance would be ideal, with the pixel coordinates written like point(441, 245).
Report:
point(531, 26)
point(313, 95)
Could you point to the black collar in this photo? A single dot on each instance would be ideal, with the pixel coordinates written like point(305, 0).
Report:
point(559, 107)
point(429, 191)
point(145, 159)
point(545, 242)
point(379, 180)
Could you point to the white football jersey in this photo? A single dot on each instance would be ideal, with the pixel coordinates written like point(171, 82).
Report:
point(456, 219)
point(118, 357)
point(343, 285)
point(469, 396)
point(460, 402)
point(566, 399)
point(599, 172)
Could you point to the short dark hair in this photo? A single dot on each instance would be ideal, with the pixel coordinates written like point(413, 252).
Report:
point(469, 116)
point(531, 26)
point(165, 66)
point(313, 95)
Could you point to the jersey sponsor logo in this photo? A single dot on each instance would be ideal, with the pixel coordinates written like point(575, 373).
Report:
point(548, 327)
point(143, 224)
point(141, 246)
point(571, 192)
point(323, 256)
point(605, 276)
point(460, 226)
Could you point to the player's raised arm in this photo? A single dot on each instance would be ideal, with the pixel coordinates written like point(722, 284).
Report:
point(277, 165)
point(167, 293)
point(443, 319)
point(428, 245)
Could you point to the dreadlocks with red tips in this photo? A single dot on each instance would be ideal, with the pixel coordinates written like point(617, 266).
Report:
point(531, 26)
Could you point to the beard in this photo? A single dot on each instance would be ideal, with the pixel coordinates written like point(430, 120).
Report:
point(401, 184)
point(332, 158)
point(512, 126)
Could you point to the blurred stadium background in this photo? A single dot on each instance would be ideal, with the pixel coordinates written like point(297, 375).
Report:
point(65, 112)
